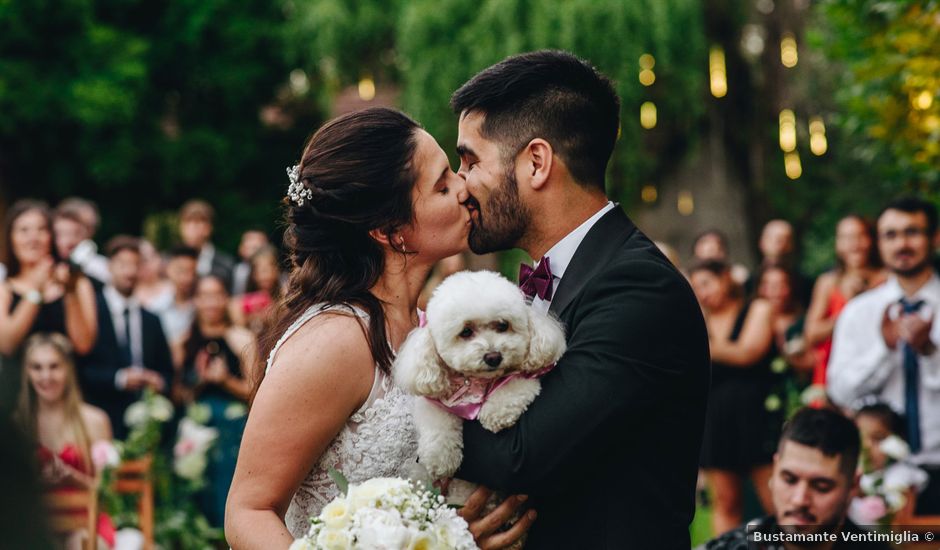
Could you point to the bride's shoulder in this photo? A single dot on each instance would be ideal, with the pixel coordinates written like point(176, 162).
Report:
point(327, 344)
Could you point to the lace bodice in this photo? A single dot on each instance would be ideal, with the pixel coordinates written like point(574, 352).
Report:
point(378, 440)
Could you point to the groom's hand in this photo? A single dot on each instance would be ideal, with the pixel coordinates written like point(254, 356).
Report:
point(485, 529)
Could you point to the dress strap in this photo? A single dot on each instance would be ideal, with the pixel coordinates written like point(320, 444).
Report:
point(311, 312)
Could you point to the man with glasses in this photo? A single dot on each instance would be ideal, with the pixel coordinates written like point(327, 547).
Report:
point(885, 341)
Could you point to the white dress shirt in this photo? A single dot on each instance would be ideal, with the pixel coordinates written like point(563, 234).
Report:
point(116, 305)
point(560, 255)
point(240, 278)
point(204, 263)
point(861, 363)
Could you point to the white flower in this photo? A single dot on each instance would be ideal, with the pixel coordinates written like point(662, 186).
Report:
point(332, 539)
point(813, 394)
point(190, 466)
point(366, 494)
point(302, 544)
point(235, 410)
point(336, 515)
point(895, 447)
point(199, 412)
point(161, 409)
point(895, 500)
point(104, 454)
point(868, 482)
point(201, 436)
point(136, 414)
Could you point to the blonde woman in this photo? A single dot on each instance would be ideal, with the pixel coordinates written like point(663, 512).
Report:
point(64, 428)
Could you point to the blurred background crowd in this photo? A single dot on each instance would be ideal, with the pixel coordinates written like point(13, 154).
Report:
point(760, 142)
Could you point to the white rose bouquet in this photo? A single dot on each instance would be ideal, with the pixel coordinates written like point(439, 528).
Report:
point(386, 514)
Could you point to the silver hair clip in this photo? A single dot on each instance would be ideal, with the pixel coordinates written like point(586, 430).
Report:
point(297, 191)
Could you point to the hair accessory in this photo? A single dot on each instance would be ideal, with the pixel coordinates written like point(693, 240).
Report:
point(297, 191)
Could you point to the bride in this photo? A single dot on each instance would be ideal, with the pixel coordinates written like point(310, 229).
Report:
point(370, 209)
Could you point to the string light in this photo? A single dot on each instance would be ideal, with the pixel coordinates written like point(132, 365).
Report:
point(787, 131)
point(649, 193)
point(922, 101)
point(647, 76)
point(788, 50)
point(366, 88)
point(792, 166)
point(817, 136)
point(685, 204)
point(648, 115)
point(718, 77)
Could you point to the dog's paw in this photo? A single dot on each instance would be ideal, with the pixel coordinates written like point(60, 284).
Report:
point(505, 405)
point(440, 460)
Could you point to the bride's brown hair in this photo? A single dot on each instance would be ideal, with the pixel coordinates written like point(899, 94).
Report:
point(359, 170)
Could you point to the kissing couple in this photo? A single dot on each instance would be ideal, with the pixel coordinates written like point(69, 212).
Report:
point(607, 455)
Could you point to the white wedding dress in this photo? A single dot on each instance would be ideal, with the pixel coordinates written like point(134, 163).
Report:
point(378, 440)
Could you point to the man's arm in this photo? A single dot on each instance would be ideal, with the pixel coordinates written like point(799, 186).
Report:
point(861, 361)
point(638, 336)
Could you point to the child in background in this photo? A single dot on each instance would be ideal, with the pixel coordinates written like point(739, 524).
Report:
point(889, 484)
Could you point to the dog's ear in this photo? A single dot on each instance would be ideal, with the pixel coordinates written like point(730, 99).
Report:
point(546, 340)
point(418, 369)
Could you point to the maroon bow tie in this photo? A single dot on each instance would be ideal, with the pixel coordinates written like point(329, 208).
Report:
point(536, 281)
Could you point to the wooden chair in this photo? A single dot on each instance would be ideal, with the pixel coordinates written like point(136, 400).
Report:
point(133, 477)
point(65, 513)
point(917, 524)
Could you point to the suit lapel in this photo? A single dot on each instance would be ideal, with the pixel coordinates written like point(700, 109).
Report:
point(598, 246)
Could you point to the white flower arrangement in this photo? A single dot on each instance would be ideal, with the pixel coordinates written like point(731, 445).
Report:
point(192, 446)
point(895, 447)
point(386, 514)
point(151, 407)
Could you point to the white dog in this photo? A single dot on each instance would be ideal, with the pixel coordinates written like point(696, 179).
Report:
point(477, 357)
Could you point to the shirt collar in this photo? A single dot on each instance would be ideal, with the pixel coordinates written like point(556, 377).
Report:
point(117, 302)
point(563, 251)
point(930, 292)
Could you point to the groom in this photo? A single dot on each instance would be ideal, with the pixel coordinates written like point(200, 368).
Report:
point(608, 452)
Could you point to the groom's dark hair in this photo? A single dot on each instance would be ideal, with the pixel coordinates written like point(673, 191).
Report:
point(552, 95)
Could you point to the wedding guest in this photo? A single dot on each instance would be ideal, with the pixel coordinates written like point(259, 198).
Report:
point(131, 352)
point(778, 247)
point(252, 241)
point(884, 466)
point(73, 239)
point(87, 210)
point(858, 268)
point(64, 428)
point(40, 294)
point(740, 431)
point(263, 290)
point(712, 244)
point(210, 365)
point(153, 290)
point(177, 316)
point(778, 285)
point(3, 272)
point(885, 340)
point(812, 484)
point(196, 224)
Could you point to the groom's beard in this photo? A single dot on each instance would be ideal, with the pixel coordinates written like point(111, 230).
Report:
point(504, 220)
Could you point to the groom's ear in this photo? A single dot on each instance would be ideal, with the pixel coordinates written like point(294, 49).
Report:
point(537, 162)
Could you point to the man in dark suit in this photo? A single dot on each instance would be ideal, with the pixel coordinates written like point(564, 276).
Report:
point(197, 219)
point(131, 352)
point(609, 451)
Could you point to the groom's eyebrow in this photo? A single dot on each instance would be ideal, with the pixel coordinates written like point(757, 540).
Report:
point(463, 151)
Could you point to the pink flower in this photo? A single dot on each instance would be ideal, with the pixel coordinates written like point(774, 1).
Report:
point(870, 509)
point(104, 454)
point(184, 447)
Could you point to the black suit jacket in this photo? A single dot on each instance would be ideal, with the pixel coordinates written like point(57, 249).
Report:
point(609, 451)
point(98, 369)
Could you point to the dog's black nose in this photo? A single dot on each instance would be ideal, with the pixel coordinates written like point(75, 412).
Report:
point(493, 359)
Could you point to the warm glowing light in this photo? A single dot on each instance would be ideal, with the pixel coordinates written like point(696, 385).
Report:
point(922, 101)
point(366, 89)
point(817, 136)
point(648, 115)
point(791, 163)
point(932, 123)
point(718, 78)
point(787, 130)
point(788, 50)
point(685, 204)
point(647, 77)
point(647, 61)
point(649, 193)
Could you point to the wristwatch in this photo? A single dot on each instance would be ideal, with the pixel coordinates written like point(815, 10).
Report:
point(34, 296)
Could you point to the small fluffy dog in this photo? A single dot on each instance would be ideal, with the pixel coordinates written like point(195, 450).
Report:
point(478, 356)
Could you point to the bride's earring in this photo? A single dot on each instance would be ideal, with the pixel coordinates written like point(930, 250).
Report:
point(401, 243)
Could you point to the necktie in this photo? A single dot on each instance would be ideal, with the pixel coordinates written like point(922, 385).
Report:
point(911, 383)
point(126, 345)
point(536, 281)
